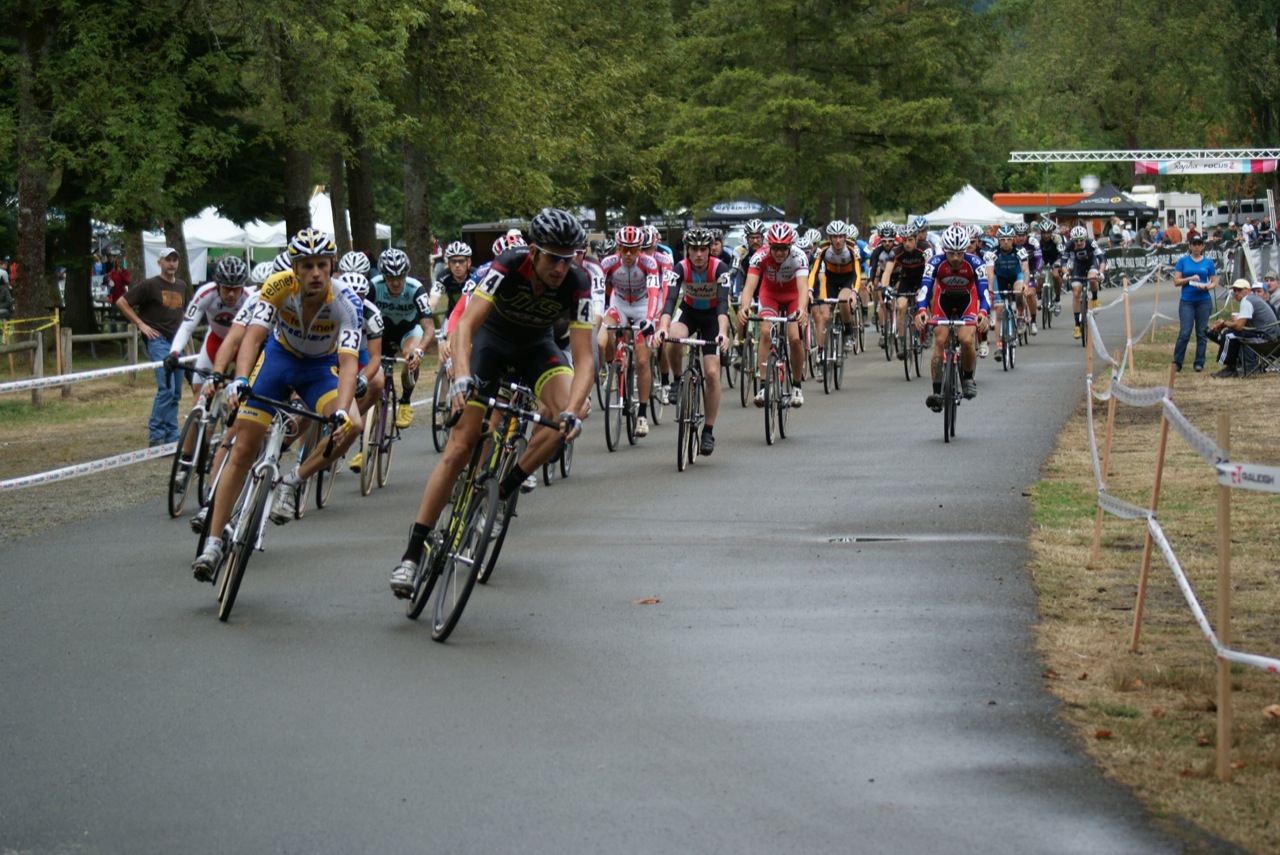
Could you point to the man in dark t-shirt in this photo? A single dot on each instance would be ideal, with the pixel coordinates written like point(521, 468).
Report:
point(155, 306)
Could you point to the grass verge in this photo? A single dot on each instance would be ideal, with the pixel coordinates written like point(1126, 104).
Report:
point(1149, 718)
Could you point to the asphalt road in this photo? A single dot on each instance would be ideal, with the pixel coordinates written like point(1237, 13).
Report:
point(840, 660)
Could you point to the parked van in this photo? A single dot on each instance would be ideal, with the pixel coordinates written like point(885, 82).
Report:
point(1182, 208)
point(1235, 211)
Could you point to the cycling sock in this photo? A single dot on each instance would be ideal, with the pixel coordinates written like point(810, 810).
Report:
point(666, 378)
point(966, 375)
point(512, 482)
point(408, 393)
point(213, 541)
point(292, 479)
point(644, 411)
point(417, 540)
point(1077, 314)
point(937, 388)
point(706, 430)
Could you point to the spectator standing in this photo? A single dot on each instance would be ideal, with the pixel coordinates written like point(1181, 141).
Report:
point(156, 306)
point(1150, 237)
point(117, 278)
point(1266, 235)
point(6, 299)
point(1192, 231)
point(1253, 322)
point(1194, 273)
point(1126, 236)
point(1172, 234)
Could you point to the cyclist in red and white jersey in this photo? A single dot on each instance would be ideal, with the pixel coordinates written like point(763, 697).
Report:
point(779, 271)
point(633, 294)
point(954, 286)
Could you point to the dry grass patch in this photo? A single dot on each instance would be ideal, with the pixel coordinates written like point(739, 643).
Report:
point(1149, 719)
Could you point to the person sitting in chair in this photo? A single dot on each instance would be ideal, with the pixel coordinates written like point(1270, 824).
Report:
point(1253, 323)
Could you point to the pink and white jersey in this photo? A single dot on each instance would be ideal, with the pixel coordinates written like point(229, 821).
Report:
point(779, 278)
point(207, 305)
point(636, 284)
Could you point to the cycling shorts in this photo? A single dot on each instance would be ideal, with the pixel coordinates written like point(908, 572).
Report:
point(702, 323)
point(279, 372)
point(532, 361)
point(962, 304)
point(778, 302)
point(401, 334)
point(830, 285)
point(622, 312)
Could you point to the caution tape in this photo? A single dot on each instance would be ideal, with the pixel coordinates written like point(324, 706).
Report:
point(1249, 476)
point(1121, 508)
point(81, 469)
point(1266, 663)
point(1148, 397)
point(12, 325)
point(1199, 441)
point(81, 376)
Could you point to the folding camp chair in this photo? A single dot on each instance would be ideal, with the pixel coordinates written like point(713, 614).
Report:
point(1258, 357)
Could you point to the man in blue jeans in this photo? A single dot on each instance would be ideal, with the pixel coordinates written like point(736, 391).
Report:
point(1194, 273)
point(155, 307)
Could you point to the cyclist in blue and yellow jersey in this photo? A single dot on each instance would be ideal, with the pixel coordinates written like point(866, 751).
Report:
point(405, 304)
point(372, 380)
point(508, 323)
point(835, 274)
point(311, 328)
point(1007, 270)
point(954, 286)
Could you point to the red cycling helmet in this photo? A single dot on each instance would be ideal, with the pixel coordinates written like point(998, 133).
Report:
point(780, 234)
point(629, 236)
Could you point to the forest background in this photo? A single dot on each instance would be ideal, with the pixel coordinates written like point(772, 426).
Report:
point(428, 114)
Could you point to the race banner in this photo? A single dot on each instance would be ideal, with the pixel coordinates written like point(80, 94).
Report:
point(1133, 261)
point(1204, 166)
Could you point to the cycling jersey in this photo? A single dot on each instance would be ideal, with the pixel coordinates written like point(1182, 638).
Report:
point(371, 329)
point(207, 304)
point(778, 276)
point(1084, 258)
point(520, 313)
point(1051, 248)
point(1032, 249)
point(908, 268)
point(959, 290)
point(403, 313)
point(879, 257)
point(335, 327)
point(639, 283)
point(835, 271)
point(707, 291)
point(446, 286)
point(1006, 266)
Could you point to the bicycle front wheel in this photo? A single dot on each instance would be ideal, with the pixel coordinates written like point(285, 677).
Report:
point(631, 399)
point(386, 448)
point(506, 510)
point(566, 458)
point(697, 418)
point(206, 450)
point(439, 410)
point(242, 545)
point(771, 394)
point(613, 404)
point(464, 559)
point(368, 456)
point(950, 391)
point(684, 423)
point(326, 476)
point(656, 407)
point(179, 475)
point(783, 398)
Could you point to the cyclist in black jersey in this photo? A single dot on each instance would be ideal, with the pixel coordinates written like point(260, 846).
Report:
point(903, 273)
point(1051, 249)
point(507, 324)
point(448, 287)
point(1085, 262)
point(880, 253)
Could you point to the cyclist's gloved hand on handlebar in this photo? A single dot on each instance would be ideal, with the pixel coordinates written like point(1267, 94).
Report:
point(646, 327)
point(362, 385)
point(461, 386)
point(571, 424)
point(171, 363)
point(722, 341)
point(238, 390)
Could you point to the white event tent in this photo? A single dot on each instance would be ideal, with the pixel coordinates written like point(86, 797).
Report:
point(968, 207)
point(210, 230)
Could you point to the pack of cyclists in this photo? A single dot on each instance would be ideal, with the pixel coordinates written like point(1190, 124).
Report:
point(314, 326)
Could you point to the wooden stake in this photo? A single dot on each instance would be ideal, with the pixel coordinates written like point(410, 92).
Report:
point(1224, 609)
point(1128, 328)
point(1106, 459)
point(1155, 504)
point(1155, 307)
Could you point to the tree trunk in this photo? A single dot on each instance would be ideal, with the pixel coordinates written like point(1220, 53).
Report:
point(35, 33)
point(338, 201)
point(822, 208)
point(364, 213)
point(175, 237)
point(134, 259)
point(602, 215)
point(297, 190)
point(417, 221)
point(77, 313)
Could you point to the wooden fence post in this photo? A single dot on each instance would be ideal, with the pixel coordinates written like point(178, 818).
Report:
point(37, 368)
point(64, 336)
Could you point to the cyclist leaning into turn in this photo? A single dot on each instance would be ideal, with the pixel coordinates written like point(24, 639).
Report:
point(508, 323)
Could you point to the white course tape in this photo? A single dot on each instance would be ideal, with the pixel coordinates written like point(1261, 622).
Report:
point(80, 377)
point(1265, 663)
point(1148, 397)
point(81, 469)
point(1201, 442)
point(1249, 476)
point(1096, 339)
point(1121, 508)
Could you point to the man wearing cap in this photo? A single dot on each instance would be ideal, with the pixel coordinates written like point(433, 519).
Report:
point(1254, 322)
point(1272, 284)
point(155, 306)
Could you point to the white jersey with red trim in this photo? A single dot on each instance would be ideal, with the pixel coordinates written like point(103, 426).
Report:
point(207, 305)
point(779, 276)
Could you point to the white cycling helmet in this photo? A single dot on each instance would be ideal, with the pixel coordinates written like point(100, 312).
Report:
point(1079, 233)
point(456, 249)
point(955, 239)
point(261, 272)
point(354, 261)
point(356, 281)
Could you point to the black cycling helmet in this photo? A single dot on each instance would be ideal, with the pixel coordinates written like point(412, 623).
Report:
point(231, 271)
point(698, 236)
point(553, 227)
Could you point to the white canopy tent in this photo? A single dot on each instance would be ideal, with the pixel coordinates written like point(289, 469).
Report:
point(210, 230)
point(970, 208)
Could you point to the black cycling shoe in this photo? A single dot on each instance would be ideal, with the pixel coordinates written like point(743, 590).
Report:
point(708, 444)
point(934, 402)
point(969, 388)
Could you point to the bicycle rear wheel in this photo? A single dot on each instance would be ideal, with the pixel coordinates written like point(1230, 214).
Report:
point(439, 410)
point(464, 559)
point(613, 405)
point(180, 476)
point(242, 545)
